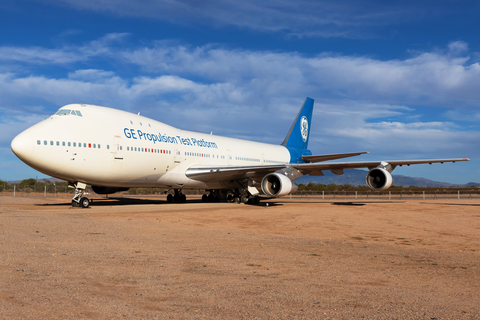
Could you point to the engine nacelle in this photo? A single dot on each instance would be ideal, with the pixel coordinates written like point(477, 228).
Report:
point(277, 185)
point(379, 179)
point(107, 190)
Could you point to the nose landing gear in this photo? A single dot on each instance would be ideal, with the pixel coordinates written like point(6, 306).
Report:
point(79, 199)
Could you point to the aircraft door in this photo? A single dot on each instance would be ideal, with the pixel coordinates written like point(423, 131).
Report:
point(117, 148)
point(177, 157)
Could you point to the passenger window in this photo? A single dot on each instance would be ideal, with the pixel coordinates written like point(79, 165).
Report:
point(38, 141)
point(45, 142)
point(51, 142)
point(108, 146)
point(84, 145)
point(69, 144)
point(94, 146)
point(63, 143)
point(74, 144)
point(99, 146)
point(58, 143)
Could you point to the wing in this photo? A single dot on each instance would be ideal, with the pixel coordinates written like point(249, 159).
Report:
point(326, 157)
point(221, 173)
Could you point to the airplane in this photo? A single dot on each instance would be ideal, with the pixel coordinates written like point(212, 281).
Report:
point(114, 150)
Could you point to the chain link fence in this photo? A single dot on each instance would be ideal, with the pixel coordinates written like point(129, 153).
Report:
point(388, 195)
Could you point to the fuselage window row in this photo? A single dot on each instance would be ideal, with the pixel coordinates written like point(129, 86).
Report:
point(138, 149)
point(95, 146)
point(74, 144)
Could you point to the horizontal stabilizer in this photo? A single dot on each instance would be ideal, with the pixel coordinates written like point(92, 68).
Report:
point(326, 157)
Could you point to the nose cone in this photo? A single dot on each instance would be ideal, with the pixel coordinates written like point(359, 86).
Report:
point(22, 145)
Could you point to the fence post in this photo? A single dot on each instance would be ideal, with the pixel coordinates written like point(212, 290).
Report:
point(14, 189)
point(355, 195)
point(423, 195)
point(323, 195)
point(389, 195)
point(458, 194)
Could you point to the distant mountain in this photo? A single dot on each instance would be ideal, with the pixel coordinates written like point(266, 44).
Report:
point(472, 184)
point(357, 177)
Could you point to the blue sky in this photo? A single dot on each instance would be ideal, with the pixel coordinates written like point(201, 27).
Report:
point(400, 80)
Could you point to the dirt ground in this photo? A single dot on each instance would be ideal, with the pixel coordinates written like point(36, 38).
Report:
point(294, 259)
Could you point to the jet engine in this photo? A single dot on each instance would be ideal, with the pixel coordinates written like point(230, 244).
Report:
point(107, 190)
point(379, 179)
point(277, 185)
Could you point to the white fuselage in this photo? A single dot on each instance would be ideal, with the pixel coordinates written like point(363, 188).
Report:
point(108, 147)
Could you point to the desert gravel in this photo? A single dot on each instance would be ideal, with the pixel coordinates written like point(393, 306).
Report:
point(146, 259)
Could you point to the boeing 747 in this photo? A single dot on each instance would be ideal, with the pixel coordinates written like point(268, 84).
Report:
point(114, 150)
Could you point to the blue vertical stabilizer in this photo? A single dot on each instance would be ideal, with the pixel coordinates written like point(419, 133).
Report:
point(299, 133)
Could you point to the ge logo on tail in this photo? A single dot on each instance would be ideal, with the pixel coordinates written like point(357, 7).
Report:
point(304, 128)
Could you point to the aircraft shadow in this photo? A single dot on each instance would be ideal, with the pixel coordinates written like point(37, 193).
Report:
point(112, 201)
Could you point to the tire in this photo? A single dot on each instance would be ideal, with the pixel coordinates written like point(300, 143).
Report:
point(84, 202)
point(75, 204)
point(244, 199)
point(183, 198)
point(169, 198)
point(205, 198)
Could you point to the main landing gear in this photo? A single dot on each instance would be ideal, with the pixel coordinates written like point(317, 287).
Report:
point(212, 196)
point(177, 197)
point(239, 196)
point(246, 199)
point(80, 199)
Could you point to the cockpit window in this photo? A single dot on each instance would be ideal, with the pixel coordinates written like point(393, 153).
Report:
point(63, 112)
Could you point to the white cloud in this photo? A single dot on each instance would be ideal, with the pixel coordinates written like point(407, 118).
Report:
point(63, 55)
point(302, 18)
point(361, 103)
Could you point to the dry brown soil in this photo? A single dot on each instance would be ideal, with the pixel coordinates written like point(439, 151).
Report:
point(147, 259)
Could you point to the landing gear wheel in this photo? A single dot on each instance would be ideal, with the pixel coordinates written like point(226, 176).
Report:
point(84, 202)
point(170, 198)
point(205, 198)
point(244, 199)
point(255, 200)
point(183, 198)
point(75, 204)
point(236, 200)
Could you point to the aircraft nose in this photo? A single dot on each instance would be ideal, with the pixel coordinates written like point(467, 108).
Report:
point(22, 145)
